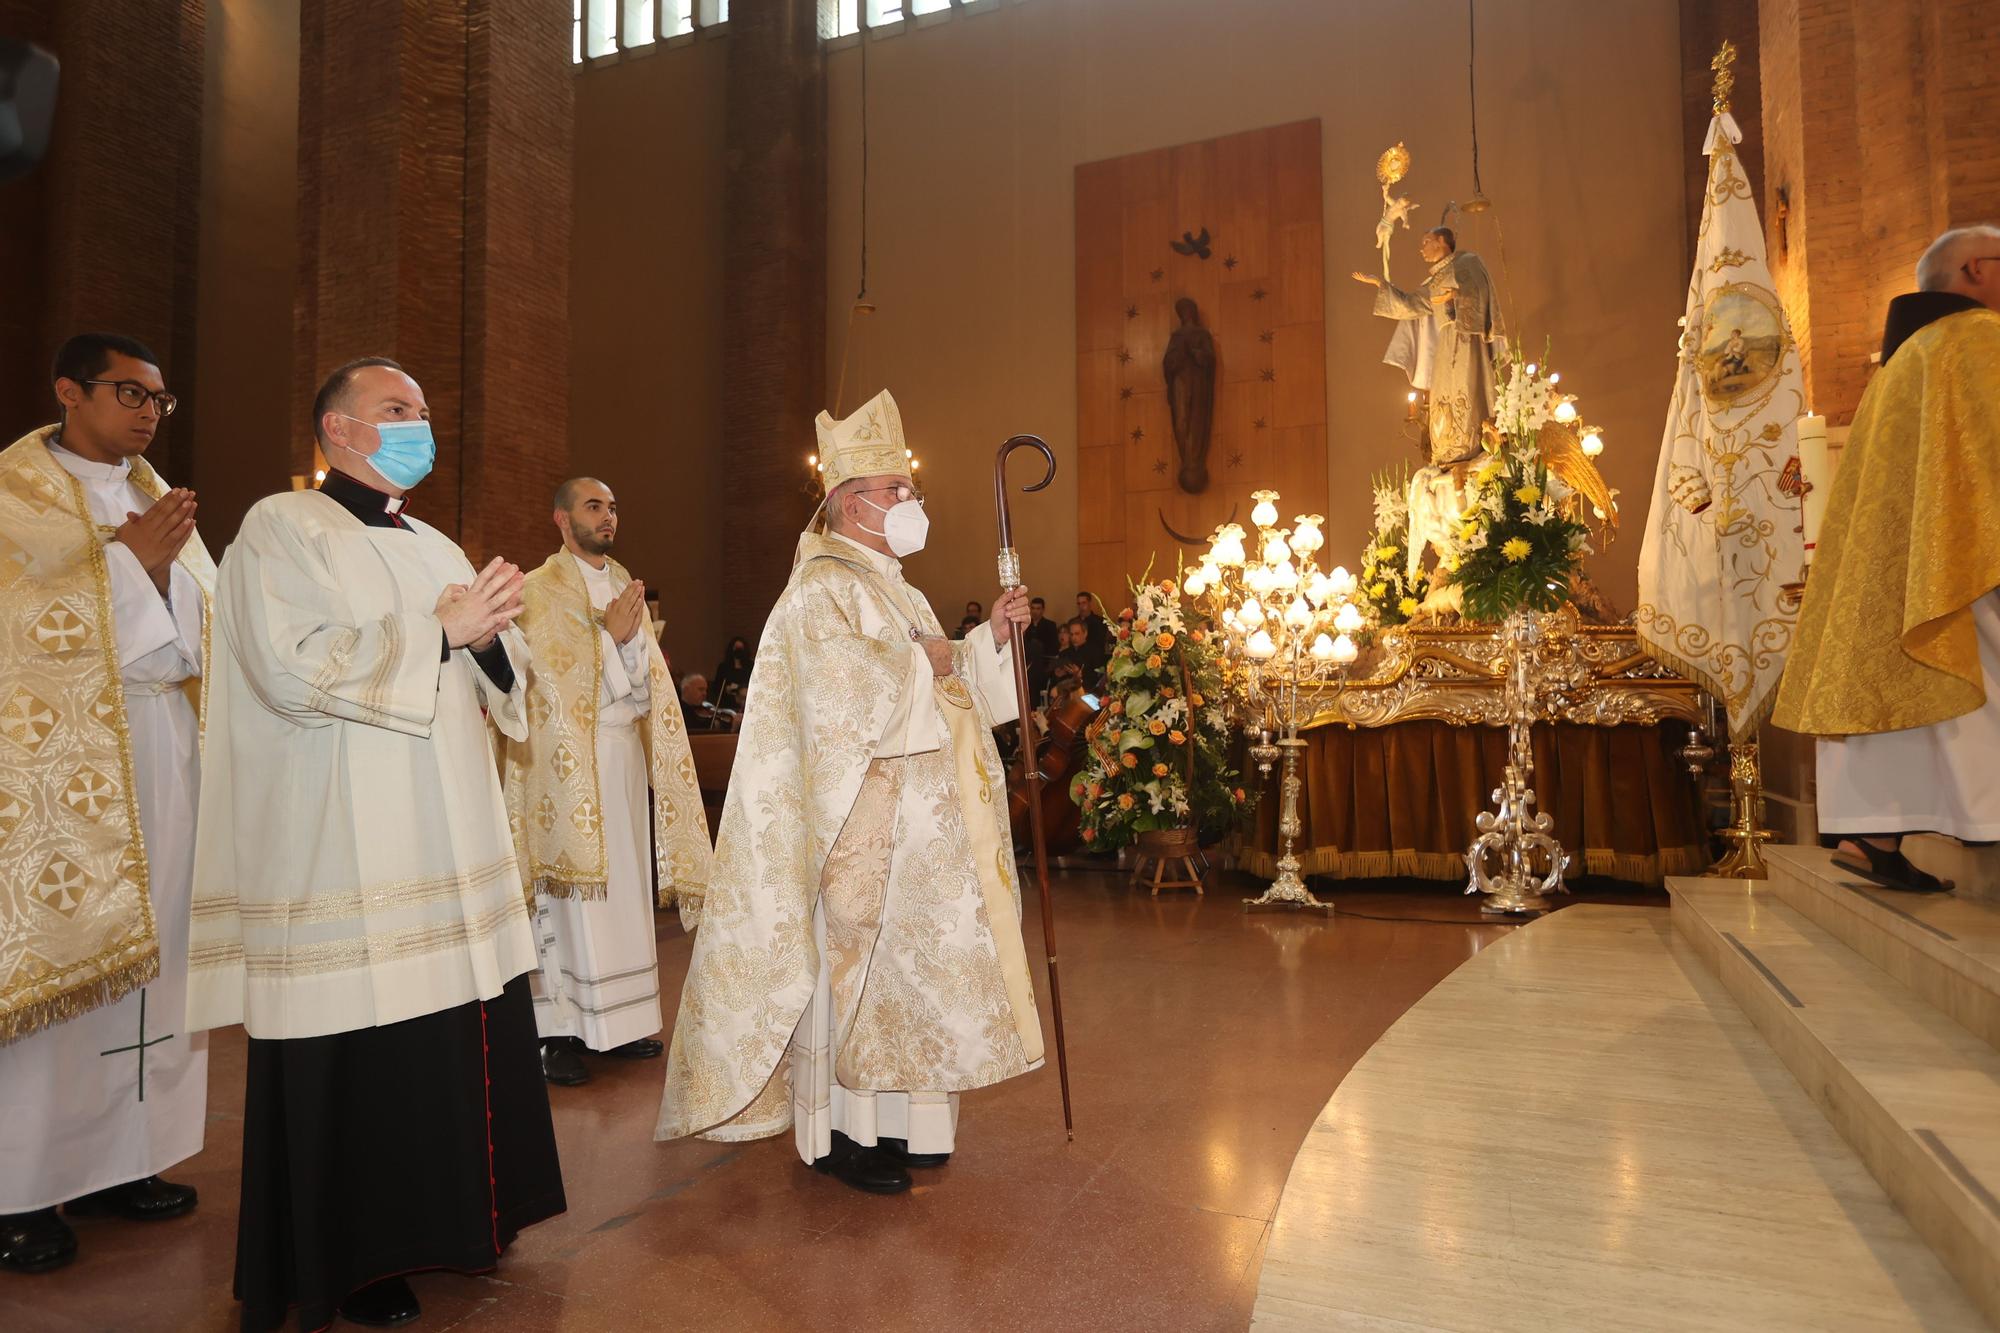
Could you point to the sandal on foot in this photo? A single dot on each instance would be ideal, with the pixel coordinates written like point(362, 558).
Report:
point(1889, 869)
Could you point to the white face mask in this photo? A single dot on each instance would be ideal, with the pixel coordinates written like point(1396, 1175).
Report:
point(905, 526)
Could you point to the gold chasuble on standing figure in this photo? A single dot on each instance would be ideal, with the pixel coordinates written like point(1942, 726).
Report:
point(1887, 639)
point(76, 923)
point(871, 791)
point(553, 799)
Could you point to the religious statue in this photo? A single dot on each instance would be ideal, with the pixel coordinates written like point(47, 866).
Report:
point(1189, 367)
point(1444, 342)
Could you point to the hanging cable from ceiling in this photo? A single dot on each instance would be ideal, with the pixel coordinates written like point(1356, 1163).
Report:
point(862, 305)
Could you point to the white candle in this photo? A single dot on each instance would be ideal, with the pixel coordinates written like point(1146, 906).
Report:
point(1816, 470)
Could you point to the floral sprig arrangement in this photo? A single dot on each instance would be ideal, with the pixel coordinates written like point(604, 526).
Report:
point(1165, 702)
point(1391, 593)
point(1518, 541)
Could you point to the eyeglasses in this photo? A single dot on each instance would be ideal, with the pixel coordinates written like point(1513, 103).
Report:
point(133, 394)
point(903, 492)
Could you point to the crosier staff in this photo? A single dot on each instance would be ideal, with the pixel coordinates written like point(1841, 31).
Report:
point(1010, 579)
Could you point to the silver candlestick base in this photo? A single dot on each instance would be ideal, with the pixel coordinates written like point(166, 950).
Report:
point(1288, 892)
point(1516, 861)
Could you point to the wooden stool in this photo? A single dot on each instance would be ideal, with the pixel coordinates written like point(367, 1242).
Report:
point(1164, 848)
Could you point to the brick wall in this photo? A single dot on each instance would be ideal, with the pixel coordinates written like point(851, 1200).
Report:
point(1877, 122)
point(105, 235)
point(433, 227)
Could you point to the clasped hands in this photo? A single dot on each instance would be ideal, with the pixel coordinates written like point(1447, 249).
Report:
point(473, 615)
point(157, 535)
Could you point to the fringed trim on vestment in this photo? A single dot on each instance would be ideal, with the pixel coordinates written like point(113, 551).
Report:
point(32, 1016)
point(557, 888)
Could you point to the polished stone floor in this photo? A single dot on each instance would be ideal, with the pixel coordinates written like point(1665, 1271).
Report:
point(1203, 1042)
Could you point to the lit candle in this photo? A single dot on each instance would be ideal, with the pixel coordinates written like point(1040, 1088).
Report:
point(1816, 470)
point(1344, 650)
point(1322, 649)
point(1260, 646)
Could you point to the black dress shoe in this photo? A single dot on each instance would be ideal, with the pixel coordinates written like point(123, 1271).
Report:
point(35, 1242)
point(148, 1200)
point(644, 1048)
point(870, 1170)
point(561, 1063)
point(383, 1304)
point(899, 1149)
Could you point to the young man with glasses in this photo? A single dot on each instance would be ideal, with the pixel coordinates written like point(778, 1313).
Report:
point(104, 599)
point(859, 960)
point(1896, 666)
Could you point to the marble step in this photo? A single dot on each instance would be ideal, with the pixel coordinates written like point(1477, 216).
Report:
point(1915, 1094)
point(1975, 870)
point(1945, 947)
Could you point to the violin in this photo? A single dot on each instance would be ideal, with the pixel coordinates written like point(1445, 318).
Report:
point(1059, 750)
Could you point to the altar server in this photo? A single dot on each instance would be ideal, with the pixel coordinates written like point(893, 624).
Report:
point(603, 726)
point(858, 961)
point(104, 589)
point(357, 904)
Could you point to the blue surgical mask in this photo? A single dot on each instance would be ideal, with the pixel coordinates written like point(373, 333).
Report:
point(407, 452)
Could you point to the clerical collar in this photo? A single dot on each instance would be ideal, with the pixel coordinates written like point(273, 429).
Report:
point(89, 469)
point(363, 501)
point(590, 571)
point(1915, 311)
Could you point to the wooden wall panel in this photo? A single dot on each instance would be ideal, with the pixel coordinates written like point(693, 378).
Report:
point(1261, 293)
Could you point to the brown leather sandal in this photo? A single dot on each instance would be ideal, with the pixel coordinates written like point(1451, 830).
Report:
point(1888, 869)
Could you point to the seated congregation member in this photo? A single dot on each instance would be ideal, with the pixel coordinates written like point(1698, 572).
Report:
point(1896, 667)
point(357, 904)
point(602, 727)
point(104, 615)
point(858, 960)
point(697, 713)
point(731, 681)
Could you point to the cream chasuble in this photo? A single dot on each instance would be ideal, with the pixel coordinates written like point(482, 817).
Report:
point(859, 957)
point(353, 864)
point(604, 725)
point(118, 1092)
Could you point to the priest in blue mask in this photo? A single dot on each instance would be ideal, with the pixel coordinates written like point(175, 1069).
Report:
point(357, 907)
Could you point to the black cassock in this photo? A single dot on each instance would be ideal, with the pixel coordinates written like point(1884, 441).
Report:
point(419, 1145)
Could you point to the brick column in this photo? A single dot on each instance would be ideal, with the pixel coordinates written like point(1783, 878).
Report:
point(434, 228)
point(774, 275)
point(105, 235)
point(1875, 121)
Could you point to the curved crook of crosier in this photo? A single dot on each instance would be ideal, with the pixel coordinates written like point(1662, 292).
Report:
point(1036, 443)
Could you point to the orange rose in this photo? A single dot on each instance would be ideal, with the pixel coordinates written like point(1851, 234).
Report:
point(1153, 662)
point(1140, 625)
point(1117, 707)
point(1096, 790)
point(1157, 727)
point(1166, 691)
point(1159, 770)
point(1195, 699)
point(1239, 793)
point(1177, 738)
point(1167, 586)
point(1165, 641)
point(1124, 634)
point(1125, 801)
point(1129, 759)
point(1200, 636)
point(1090, 835)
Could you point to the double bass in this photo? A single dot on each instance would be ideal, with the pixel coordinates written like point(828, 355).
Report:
point(1059, 750)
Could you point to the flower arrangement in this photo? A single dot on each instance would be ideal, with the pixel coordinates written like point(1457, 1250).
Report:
point(1519, 539)
point(1158, 752)
point(1391, 592)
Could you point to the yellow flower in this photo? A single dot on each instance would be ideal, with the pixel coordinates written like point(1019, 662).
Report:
point(1486, 474)
point(1408, 606)
point(1378, 590)
point(1165, 641)
point(1385, 552)
point(1129, 759)
point(1449, 564)
point(1160, 770)
point(1157, 727)
point(1125, 801)
point(1516, 550)
point(1468, 531)
point(1528, 494)
point(1153, 662)
point(1177, 738)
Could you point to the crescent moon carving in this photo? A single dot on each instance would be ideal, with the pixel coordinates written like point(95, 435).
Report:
point(1186, 540)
